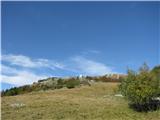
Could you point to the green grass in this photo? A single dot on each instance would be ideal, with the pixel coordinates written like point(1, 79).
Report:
point(96, 102)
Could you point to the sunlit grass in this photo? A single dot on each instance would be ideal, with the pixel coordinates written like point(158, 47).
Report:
point(96, 102)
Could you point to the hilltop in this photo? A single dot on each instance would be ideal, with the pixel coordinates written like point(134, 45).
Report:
point(61, 82)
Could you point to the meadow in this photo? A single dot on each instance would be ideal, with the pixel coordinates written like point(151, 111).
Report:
point(95, 102)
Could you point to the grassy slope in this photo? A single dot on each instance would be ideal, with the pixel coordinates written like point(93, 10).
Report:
point(85, 103)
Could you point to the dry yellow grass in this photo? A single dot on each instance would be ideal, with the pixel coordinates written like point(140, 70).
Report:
point(96, 102)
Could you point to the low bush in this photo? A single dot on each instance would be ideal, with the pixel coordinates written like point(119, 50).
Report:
point(60, 83)
point(72, 83)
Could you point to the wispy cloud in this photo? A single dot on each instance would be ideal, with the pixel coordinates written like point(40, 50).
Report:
point(90, 67)
point(94, 51)
point(25, 61)
point(89, 52)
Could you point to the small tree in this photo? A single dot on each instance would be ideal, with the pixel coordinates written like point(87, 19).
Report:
point(140, 88)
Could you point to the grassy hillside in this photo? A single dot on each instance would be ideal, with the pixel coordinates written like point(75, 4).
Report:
point(95, 102)
point(57, 83)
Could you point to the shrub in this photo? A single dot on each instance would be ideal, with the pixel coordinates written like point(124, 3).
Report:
point(140, 88)
point(72, 83)
point(10, 92)
point(60, 83)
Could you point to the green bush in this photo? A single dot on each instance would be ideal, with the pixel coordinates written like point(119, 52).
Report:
point(60, 83)
point(140, 88)
point(10, 92)
point(72, 83)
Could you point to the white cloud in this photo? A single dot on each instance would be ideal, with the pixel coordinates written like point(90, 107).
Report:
point(19, 60)
point(19, 77)
point(90, 67)
point(7, 70)
point(25, 61)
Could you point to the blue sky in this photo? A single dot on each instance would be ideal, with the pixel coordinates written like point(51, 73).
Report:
point(42, 39)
